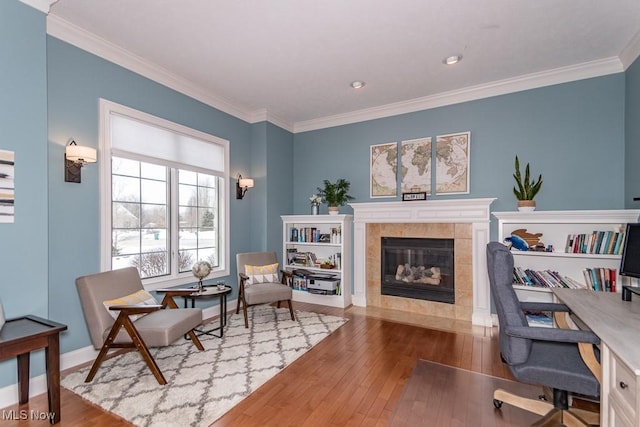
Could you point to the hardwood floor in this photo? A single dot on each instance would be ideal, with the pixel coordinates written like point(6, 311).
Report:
point(352, 378)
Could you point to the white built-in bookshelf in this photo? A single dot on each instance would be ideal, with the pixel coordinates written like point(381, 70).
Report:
point(559, 228)
point(310, 240)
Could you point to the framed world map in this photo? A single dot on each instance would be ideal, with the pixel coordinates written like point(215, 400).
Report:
point(452, 163)
point(416, 165)
point(383, 164)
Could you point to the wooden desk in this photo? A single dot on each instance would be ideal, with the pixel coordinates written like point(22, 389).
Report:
point(20, 336)
point(617, 324)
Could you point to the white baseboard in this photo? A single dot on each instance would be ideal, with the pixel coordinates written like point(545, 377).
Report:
point(38, 385)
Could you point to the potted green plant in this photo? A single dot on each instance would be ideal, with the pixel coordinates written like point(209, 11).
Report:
point(335, 194)
point(526, 189)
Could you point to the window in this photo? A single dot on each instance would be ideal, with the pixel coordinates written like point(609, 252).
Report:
point(163, 194)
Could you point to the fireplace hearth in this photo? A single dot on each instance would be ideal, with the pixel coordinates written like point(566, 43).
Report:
point(418, 268)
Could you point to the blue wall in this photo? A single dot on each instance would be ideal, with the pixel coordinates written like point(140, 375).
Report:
point(23, 121)
point(632, 136)
point(573, 134)
point(77, 80)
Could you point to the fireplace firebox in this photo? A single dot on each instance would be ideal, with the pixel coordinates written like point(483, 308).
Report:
point(419, 268)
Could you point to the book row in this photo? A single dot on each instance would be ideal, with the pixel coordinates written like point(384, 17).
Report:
point(597, 242)
point(598, 279)
point(544, 279)
point(314, 235)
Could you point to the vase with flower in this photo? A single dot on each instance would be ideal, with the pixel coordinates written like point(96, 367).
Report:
point(315, 204)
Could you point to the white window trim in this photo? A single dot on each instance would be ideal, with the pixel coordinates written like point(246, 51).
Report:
point(106, 109)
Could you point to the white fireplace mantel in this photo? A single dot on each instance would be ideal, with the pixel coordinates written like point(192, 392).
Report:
point(473, 211)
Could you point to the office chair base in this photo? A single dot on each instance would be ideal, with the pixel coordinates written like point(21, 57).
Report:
point(550, 415)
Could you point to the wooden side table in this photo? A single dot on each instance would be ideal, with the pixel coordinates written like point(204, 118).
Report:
point(19, 337)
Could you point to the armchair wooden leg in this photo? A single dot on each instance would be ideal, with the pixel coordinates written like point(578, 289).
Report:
point(246, 317)
point(104, 350)
point(144, 351)
point(195, 340)
point(291, 310)
point(238, 305)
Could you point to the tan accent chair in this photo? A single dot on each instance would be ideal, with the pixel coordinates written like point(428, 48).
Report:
point(157, 328)
point(261, 293)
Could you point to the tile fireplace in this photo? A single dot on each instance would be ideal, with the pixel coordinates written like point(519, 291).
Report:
point(464, 222)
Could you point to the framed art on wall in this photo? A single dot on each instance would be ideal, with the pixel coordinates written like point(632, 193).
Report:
point(415, 166)
point(383, 163)
point(7, 186)
point(452, 163)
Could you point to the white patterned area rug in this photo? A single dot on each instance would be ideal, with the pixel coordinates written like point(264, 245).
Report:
point(203, 385)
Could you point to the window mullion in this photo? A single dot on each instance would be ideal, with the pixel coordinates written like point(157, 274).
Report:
point(174, 221)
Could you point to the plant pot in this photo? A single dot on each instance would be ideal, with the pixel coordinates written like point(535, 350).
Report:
point(333, 210)
point(526, 205)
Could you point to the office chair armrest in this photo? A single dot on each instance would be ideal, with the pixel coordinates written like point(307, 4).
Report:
point(544, 306)
point(552, 334)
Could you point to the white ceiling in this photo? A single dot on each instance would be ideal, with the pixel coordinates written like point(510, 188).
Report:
point(291, 61)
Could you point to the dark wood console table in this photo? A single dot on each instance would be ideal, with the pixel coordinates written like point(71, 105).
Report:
point(19, 337)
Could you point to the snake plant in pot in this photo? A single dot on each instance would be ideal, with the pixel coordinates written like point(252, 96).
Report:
point(526, 189)
point(335, 194)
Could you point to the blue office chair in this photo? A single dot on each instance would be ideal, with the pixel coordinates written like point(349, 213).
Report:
point(550, 357)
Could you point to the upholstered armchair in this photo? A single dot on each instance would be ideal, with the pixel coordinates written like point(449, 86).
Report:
point(259, 282)
point(120, 314)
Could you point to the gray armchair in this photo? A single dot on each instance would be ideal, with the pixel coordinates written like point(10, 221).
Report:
point(136, 326)
point(549, 357)
point(261, 293)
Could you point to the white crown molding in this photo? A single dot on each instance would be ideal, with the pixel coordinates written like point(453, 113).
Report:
point(85, 40)
point(42, 5)
point(529, 81)
point(263, 115)
point(631, 52)
point(65, 31)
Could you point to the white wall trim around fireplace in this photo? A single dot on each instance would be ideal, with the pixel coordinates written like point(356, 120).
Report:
point(473, 211)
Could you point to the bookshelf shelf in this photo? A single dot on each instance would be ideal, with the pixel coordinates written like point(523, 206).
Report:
point(555, 227)
point(300, 237)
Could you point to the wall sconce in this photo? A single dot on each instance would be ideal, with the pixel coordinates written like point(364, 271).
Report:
point(75, 157)
point(242, 185)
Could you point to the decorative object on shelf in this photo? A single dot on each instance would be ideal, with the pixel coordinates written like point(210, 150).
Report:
point(327, 264)
point(242, 185)
point(516, 242)
point(383, 168)
point(452, 163)
point(412, 197)
point(526, 189)
point(532, 239)
point(315, 203)
point(335, 194)
point(201, 269)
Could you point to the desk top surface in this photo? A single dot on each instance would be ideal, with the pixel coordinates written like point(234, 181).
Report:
point(616, 322)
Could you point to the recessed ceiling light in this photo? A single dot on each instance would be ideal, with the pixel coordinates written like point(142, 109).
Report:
point(357, 84)
point(453, 59)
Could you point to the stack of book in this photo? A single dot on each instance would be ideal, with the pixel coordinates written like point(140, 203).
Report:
point(601, 279)
point(544, 279)
point(597, 242)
